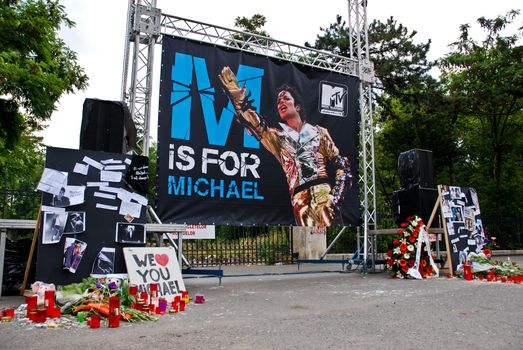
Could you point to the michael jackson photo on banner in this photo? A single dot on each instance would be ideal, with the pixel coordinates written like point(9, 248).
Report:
point(251, 140)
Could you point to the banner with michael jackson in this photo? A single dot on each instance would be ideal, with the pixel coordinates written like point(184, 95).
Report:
point(246, 139)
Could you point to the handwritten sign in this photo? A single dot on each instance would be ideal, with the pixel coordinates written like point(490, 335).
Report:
point(154, 265)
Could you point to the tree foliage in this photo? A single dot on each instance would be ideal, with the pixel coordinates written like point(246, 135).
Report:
point(471, 118)
point(485, 77)
point(36, 67)
point(251, 25)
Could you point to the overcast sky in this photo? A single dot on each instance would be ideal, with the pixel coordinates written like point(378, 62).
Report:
point(99, 37)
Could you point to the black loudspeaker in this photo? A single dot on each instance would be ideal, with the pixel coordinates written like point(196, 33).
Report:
point(107, 126)
point(415, 201)
point(415, 169)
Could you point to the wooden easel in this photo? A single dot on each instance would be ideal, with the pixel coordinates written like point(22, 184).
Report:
point(448, 261)
point(31, 251)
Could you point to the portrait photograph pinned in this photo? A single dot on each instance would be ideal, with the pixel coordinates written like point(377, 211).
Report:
point(73, 252)
point(104, 262)
point(75, 222)
point(54, 224)
point(129, 233)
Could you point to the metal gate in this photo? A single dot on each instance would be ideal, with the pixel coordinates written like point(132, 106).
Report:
point(241, 246)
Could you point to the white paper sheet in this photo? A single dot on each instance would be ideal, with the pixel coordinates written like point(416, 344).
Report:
point(111, 161)
point(104, 195)
point(130, 208)
point(104, 206)
point(114, 167)
point(97, 184)
point(93, 163)
point(52, 181)
point(80, 168)
point(46, 208)
point(124, 195)
point(110, 176)
point(139, 198)
point(76, 194)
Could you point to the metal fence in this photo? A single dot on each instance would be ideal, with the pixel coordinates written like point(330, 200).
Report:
point(240, 246)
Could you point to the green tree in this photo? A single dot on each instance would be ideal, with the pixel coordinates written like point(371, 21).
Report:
point(36, 67)
point(251, 25)
point(399, 62)
point(412, 110)
point(485, 77)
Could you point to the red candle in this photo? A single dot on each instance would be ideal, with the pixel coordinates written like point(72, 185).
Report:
point(145, 297)
point(114, 312)
point(182, 305)
point(54, 313)
point(40, 315)
point(31, 305)
point(49, 301)
point(95, 321)
point(177, 299)
point(133, 290)
point(153, 288)
point(9, 312)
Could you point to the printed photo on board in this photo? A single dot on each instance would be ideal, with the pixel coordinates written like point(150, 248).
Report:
point(475, 201)
point(457, 214)
point(446, 208)
point(73, 252)
point(130, 233)
point(104, 262)
point(54, 224)
point(455, 192)
point(75, 222)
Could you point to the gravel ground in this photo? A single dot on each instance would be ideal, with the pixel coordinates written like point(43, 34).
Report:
point(317, 307)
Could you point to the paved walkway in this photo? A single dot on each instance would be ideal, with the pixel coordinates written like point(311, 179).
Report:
point(317, 307)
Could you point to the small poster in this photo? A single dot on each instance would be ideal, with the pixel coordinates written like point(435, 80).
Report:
point(104, 262)
point(463, 223)
point(68, 195)
point(154, 265)
point(130, 233)
point(73, 252)
point(54, 225)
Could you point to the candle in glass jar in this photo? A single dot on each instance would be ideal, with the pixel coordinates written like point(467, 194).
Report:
point(114, 312)
point(133, 290)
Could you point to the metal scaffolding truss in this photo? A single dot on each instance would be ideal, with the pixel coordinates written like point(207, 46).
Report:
point(146, 26)
point(359, 50)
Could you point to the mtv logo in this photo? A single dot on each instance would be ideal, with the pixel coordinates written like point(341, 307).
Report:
point(333, 99)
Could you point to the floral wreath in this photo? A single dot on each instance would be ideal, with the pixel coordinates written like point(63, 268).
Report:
point(403, 253)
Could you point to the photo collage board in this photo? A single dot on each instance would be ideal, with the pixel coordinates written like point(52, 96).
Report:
point(463, 226)
point(93, 205)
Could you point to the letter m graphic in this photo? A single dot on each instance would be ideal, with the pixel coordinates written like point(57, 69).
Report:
point(181, 100)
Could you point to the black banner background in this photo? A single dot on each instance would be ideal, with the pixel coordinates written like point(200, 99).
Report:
point(275, 207)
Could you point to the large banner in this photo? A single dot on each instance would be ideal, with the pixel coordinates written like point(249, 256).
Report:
point(237, 148)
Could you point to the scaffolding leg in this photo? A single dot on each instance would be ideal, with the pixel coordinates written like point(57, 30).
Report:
point(158, 221)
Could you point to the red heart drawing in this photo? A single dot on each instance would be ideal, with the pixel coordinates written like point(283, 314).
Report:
point(162, 259)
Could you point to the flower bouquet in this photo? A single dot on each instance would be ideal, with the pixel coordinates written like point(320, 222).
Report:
point(410, 254)
point(485, 268)
point(91, 296)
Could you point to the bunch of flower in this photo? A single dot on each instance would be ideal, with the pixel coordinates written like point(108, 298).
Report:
point(402, 255)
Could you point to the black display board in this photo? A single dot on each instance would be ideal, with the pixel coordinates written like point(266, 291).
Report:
point(100, 223)
point(462, 223)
